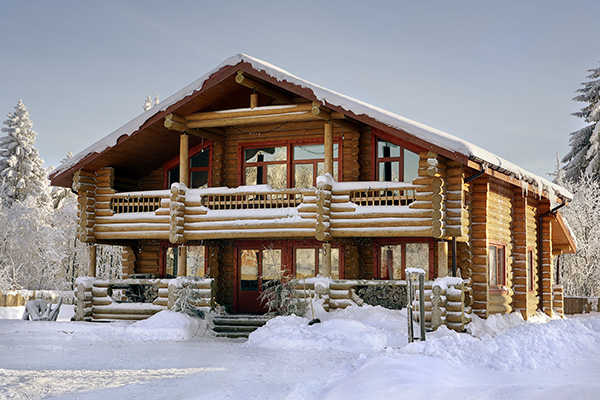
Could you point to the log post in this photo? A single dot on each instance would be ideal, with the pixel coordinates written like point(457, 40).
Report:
point(442, 249)
point(325, 268)
point(184, 163)
point(328, 140)
point(253, 100)
point(92, 267)
point(182, 261)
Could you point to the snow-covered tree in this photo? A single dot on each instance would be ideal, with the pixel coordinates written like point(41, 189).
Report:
point(580, 272)
point(584, 157)
point(21, 169)
point(149, 103)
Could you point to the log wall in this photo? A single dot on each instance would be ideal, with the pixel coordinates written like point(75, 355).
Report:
point(479, 242)
point(546, 262)
point(500, 231)
point(84, 183)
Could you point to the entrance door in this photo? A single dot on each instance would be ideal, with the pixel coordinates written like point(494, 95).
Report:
point(256, 267)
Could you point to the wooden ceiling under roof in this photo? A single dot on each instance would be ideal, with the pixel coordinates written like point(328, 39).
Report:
point(153, 145)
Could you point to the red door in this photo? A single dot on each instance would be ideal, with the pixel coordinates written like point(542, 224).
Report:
point(256, 266)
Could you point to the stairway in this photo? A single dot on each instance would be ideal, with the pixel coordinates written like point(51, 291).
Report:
point(238, 325)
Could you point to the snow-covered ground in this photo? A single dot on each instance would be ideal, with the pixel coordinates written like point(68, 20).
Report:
point(357, 353)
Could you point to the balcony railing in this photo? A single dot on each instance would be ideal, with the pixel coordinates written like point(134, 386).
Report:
point(134, 204)
point(253, 200)
point(385, 197)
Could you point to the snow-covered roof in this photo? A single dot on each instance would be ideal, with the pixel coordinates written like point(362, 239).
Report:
point(357, 107)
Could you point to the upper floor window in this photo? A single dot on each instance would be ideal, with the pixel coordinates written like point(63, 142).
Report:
point(266, 165)
point(497, 264)
point(394, 163)
point(309, 163)
point(287, 165)
point(198, 169)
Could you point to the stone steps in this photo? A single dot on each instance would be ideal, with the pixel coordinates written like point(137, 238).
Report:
point(238, 325)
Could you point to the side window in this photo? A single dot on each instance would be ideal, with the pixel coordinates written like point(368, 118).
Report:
point(395, 163)
point(198, 169)
point(497, 264)
point(530, 271)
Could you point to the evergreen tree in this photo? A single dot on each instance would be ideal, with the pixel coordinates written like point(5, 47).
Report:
point(584, 157)
point(21, 169)
point(149, 103)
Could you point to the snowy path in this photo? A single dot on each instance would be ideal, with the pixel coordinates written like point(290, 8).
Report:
point(66, 360)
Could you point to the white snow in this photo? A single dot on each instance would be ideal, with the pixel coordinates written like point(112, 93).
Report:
point(356, 353)
point(431, 135)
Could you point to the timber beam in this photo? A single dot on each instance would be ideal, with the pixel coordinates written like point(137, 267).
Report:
point(262, 88)
point(335, 117)
point(177, 123)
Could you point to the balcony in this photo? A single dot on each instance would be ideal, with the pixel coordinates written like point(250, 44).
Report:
point(347, 209)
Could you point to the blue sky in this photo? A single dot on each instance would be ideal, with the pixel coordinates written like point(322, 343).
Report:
point(498, 74)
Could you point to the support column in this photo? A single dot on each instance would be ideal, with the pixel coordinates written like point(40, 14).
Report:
point(184, 177)
point(182, 261)
point(184, 163)
point(442, 257)
point(92, 267)
point(328, 140)
point(325, 267)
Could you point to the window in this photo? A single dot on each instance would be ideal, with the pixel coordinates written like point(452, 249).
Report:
point(266, 165)
point(308, 260)
point(258, 267)
point(308, 164)
point(395, 163)
point(196, 261)
point(530, 271)
point(496, 264)
point(287, 165)
point(394, 258)
point(198, 169)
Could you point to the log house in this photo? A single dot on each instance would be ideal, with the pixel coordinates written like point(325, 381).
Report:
point(251, 172)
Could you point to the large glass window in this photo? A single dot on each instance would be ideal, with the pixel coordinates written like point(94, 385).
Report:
point(198, 170)
point(395, 163)
point(266, 165)
point(309, 260)
point(496, 264)
point(301, 162)
point(309, 163)
point(196, 261)
point(395, 258)
point(258, 267)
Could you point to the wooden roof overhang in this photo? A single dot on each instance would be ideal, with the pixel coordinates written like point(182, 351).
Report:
point(562, 240)
point(152, 144)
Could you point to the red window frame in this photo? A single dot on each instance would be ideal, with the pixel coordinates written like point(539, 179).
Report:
point(377, 135)
point(290, 162)
point(500, 253)
point(317, 247)
point(192, 152)
point(399, 241)
point(162, 261)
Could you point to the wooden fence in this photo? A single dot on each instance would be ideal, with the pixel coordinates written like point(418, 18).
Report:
point(17, 298)
point(581, 305)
